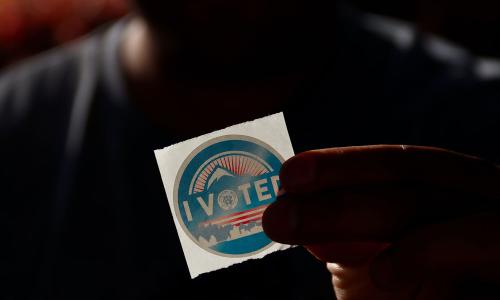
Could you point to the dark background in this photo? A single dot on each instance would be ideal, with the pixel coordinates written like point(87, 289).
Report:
point(30, 26)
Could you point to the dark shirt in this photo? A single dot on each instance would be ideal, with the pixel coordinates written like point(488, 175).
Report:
point(82, 200)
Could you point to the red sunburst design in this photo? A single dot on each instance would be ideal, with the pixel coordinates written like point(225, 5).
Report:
point(237, 164)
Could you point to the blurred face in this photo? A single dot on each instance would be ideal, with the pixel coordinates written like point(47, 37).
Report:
point(276, 31)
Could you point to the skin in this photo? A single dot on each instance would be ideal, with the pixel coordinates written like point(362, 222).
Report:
point(394, 222)
point(180, 55)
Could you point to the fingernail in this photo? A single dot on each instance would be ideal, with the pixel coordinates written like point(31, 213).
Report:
point(384, 270)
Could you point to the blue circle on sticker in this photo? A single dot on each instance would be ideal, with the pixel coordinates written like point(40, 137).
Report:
point(221, 192)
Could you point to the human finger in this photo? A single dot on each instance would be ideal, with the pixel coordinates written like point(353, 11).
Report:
point(354, 283)
point(387, 164)
point(370, 213)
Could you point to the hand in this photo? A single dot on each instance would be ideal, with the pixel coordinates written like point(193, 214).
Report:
point(395, 222)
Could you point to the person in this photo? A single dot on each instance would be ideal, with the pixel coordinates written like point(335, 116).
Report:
point(83, 204)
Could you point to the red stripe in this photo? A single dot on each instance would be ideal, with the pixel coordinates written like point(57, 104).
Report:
point(230, 159)
point(241, 212)
point(237, 164)
point(248, 221)
point(241, 162)
point(245, 165)
point(252, 168)
point(236, 214)
point(259, 214)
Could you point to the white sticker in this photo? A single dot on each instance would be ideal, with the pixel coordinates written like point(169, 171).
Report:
point(218, 186)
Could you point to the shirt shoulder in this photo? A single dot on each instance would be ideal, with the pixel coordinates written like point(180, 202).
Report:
point(422, 88)
point(42, 89)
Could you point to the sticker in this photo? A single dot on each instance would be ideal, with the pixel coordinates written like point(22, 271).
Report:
point(218, 186)
point(221, 191)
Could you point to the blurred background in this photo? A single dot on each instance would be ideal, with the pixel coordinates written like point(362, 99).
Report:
point(473, 24)
point(30, 26)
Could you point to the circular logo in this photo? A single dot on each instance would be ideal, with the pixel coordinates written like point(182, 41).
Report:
point(227, 199)
point(221, 192)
